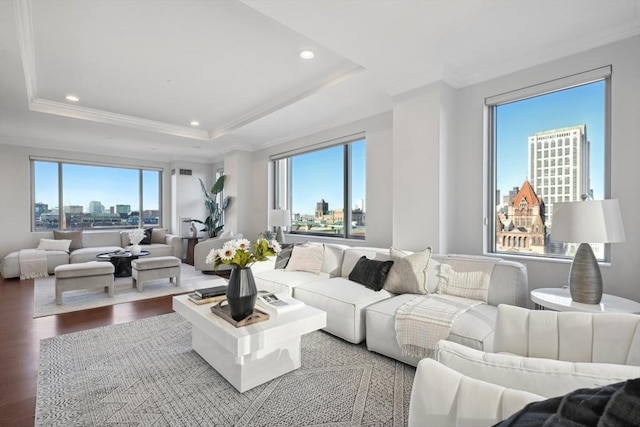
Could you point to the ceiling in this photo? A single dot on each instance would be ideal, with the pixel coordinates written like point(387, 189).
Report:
point(143, 70)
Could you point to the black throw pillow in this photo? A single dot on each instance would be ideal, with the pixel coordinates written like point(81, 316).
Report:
point(147, 236)
point(370, 273)
point(283, 257)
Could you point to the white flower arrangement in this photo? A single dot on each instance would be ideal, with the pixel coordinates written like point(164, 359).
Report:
point(239, 252)
point(136, 236)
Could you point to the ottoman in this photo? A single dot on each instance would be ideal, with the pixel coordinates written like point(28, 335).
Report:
point(87, 275)
point(145, 269)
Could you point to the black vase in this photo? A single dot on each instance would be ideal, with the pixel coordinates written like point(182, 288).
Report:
point(241, 293)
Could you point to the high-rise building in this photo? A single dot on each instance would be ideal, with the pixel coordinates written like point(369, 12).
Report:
point(559, 165)
point(74, 209)
point(96, 208)
point(322, 208)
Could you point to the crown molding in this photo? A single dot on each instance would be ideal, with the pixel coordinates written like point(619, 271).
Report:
point(287, 99)
point(236, 147)
point(84, 113)
point(27, 50)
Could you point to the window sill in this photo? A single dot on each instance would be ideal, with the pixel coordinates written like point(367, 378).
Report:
point(524, 259)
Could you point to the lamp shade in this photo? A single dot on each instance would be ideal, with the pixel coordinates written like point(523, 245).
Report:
point(279, 218)
point(593, 221)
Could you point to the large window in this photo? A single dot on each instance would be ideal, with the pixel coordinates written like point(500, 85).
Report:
point(81, 196)
point(324, 189)
point(548, 144)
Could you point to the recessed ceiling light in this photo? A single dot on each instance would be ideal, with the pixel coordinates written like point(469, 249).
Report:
point(194, 123)
point(307, 54)
point(72, 98)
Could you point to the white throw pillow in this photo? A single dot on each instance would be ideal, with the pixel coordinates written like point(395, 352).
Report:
point(54, 245)
point(306, 258)
point(409, 272)
point(226, 234)
point(470, 284)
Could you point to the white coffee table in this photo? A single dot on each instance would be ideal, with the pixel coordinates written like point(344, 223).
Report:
point(559, 299)
point(254, 354)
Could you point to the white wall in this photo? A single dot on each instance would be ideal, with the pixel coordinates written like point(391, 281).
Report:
point(622, 278)
point(15, 193)
point(422, 132)
point(186, 193)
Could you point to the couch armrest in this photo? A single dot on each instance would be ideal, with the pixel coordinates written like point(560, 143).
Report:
point(443, 397)
point(176, 243)
point(545, 377)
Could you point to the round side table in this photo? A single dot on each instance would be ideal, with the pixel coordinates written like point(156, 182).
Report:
point(559, 299)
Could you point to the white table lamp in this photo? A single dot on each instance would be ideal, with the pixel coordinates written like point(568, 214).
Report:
point(594, 221)
point(279, 218)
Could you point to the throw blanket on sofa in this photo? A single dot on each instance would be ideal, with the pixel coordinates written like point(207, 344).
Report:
point(423, 321)
point(33, 263)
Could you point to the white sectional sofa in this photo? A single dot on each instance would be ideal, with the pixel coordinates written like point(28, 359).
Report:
point(355, 312)
point(93, 243)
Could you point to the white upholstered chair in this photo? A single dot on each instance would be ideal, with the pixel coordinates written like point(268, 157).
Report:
point(542, 352)
point(202, 249)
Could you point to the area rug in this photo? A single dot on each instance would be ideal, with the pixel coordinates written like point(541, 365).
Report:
point(44, 294)
point(145, 373)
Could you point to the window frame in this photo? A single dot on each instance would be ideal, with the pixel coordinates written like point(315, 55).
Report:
point(60, 188)
point(491, 103)
point(282, 172)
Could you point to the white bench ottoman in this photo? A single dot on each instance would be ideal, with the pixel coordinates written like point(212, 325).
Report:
point(145, 269)
point(86, 275)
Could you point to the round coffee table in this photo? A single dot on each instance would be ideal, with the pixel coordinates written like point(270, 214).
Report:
point(121, 261)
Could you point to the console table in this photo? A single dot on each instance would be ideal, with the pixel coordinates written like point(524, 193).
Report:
point(191, 245)
point(559, 299)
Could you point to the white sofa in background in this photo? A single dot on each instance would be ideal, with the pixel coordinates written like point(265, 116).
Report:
point(93, 243)
point(355, 312)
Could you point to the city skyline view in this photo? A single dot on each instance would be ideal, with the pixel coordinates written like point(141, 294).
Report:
point(517, 121)
point(319, 176)
point(84, 184)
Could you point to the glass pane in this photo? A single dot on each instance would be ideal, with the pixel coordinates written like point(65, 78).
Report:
point(358, 188)
point(46, 214)
point(572, 118)
point(98, 197)
point(151, 197)
point(317, 192)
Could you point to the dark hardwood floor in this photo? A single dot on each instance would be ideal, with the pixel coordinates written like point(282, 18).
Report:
point(20, 337)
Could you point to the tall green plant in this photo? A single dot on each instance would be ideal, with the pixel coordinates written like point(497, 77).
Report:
point(213, 222)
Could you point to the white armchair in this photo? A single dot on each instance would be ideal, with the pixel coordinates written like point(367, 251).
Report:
point(543, 353)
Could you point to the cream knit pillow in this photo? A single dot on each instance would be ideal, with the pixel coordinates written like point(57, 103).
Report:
point(306, 258)
point(463, 284)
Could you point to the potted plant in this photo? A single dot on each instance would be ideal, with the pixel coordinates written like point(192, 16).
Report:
point(213, 222)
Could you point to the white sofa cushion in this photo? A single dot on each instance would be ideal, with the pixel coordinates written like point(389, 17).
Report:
point(546, 377)
point(344, 301)
point(473, 328)
point(54, 245)
point(278, 280)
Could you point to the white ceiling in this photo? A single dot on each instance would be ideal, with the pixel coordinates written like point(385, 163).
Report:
point(144, 69)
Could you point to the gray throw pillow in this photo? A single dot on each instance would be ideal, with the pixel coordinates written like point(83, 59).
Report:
point(283, 257)
point(409, 272)
point(370, 272)
point(74, 236)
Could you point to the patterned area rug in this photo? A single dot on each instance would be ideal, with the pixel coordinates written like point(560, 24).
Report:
point(145, 373)
point(44, 295)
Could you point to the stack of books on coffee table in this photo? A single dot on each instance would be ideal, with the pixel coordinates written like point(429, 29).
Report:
point(208, 295)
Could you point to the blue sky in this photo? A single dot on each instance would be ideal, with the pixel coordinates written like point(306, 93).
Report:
point(519, 120)
point(319, 175)
point(83, 184)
